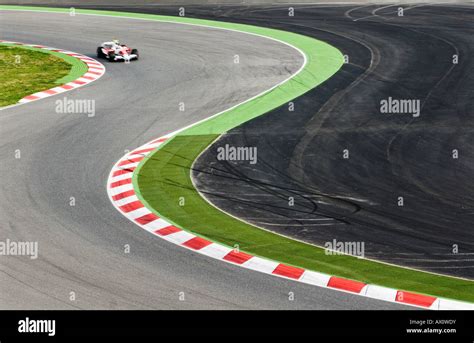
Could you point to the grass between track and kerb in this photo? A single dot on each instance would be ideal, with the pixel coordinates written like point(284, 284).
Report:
point(26, 70)
point(163, 177)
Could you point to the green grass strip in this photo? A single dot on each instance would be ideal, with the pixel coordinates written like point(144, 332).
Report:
point(163, 178)
point(26, 70)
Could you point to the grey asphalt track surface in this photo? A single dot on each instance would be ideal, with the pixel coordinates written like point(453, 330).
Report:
point(81, 247)
point(300, 153)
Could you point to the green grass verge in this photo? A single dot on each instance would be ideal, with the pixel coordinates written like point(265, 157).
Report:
point(165, 177)
point(25, 70)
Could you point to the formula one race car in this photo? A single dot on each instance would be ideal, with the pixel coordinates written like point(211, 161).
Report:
point(114, 51)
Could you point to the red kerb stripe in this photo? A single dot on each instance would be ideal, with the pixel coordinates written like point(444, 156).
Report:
point(120, 183)
point(167, 230)
point(123, 195)
point(288, 271)
point(31, 97)
point(132, 206)
point(147, 218)
point(345, 284)
point(123, 171)
point(160, 140)
point(237, 257)
point(415, 299)
point(130, 160)
point(197, 243)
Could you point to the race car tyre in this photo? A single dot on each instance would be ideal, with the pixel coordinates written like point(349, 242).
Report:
point(100, 54)
point(135, 52)
point(111, 57)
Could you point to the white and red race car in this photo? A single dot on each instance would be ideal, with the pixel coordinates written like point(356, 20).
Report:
point(114, 51)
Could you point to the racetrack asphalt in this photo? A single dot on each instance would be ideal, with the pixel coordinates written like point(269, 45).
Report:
point(356, 199)
point(82, 247)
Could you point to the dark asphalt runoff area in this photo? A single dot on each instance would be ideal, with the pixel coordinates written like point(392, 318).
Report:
point(55, 194)
point(401, 183)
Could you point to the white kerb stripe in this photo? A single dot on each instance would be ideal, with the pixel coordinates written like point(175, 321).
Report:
point(139, 212)
point(59, 89)
point(126, 200)
point(448, 304)
point(315, 278)
point(215, 250)
point(121, 189)
point(121, 177)
point(261, 265)
point(179, 237)
point(73, 85)
point(381, 293)
point(41, 95)
point(156, 225)
point(81, 79)
point(435, 305)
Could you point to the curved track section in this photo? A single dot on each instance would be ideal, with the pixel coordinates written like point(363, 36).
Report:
point(124, 196)
point(402, 184)
point(55, 193)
